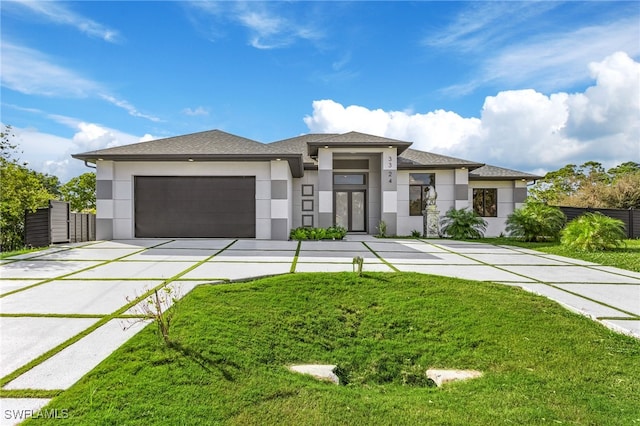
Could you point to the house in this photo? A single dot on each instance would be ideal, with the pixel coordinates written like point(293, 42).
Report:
point(215, 184)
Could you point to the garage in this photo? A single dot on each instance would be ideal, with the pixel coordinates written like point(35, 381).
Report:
point(195, 206)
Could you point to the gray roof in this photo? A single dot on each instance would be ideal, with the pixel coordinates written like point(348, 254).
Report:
point(208, 145)
point(414, 159)
point(355, 140)
point(221, 146)
point(488, 172)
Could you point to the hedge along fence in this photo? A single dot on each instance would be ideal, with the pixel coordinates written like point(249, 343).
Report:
point(57, 224)
point(630, 218)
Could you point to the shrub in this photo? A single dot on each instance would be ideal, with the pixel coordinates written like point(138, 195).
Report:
point(382, 229)
point(416, 234)
point(463, 224)
point(536, 222)
point(305, 233)
point(592, 232)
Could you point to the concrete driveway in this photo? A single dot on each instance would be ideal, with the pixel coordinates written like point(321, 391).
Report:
point(62, 309)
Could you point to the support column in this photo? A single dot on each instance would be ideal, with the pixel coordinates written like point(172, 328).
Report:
point(461, 181)
point(325, 188)
point(104, 200)
point(281, 206)
point(389, 187)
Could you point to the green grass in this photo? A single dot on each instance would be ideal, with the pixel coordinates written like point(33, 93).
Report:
point(627, 257)
point(5, 254)
point(542, 363)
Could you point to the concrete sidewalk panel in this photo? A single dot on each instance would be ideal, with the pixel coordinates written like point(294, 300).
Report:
point(618, 271)
point(626, 297)
point(330, 245)
point(134, 244)
point(569, 274)
point(393, 246)
point(264, 245)
point(89, 254)
point(479, 248)
point(38, 253)
point(173, 254)
point(124, 270)
point(198, 244)
point(83, 355)
point(42, 269)
point(236, 271)
point(423, 247)
point(255, 255)
point(568, 260)
point(23, 339)
point(9, 285)
point(432, 259)
point(629, 327)
point(76, 297)
point(340, 267)
point(514, 259)
point(576, 303)
point(468, 272)
point(344, 256)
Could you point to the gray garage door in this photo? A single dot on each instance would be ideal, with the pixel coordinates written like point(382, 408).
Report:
point(195, 206)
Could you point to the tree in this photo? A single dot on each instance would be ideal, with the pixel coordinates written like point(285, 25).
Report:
point(589, 185)
point(22, 189)
point(80, 192)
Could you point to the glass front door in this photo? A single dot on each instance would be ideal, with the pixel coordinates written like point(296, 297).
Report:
point(350, 208)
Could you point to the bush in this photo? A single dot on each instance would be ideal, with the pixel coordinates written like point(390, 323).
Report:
point(463, 224)
point(536, 222)
point(305, 233)
point(592, 232)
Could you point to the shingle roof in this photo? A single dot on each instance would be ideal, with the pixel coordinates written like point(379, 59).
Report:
point(221, 146)
point(412, 158)
point(208, 145)
point(355, 140)
point(211, 142)
point(488, 172)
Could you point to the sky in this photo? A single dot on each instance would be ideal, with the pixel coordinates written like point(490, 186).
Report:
point(530, 86)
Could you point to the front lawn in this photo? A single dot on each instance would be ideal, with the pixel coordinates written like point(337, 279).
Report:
point(542, 364)
point(627, 257)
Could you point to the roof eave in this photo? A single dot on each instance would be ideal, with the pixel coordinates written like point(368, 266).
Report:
point(294, 160)
point(313, 147)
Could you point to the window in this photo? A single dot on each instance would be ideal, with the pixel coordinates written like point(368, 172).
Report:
point(349, 179)
point(418, 183)
point(485, 202)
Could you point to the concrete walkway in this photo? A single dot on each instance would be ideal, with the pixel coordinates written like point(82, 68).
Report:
point(66, 307)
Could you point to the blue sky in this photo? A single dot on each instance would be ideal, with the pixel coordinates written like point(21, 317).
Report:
point(525, 85)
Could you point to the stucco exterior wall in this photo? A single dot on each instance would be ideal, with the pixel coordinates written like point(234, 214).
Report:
point(115, 216)
point(445, 185)
point(496, 225)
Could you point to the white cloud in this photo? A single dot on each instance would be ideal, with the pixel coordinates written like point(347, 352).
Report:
point(29, 71)
point(268, 25)
point(510, 44)
point(59, 13)
point(197, 111)
point(521, 129)
point(51, 154)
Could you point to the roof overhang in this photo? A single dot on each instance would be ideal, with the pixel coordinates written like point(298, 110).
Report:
point(294, 160)
point(521, 178)
point(314, 146)
point(439, 166)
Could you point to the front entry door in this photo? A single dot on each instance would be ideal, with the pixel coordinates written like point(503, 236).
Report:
point(350, 208)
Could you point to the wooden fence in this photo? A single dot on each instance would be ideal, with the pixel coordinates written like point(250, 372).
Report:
point(631, 218)
point(57, 224)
